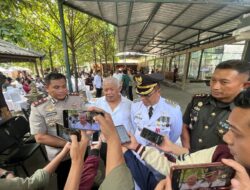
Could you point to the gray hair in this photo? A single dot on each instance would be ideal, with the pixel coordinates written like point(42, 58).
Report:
point(112, 80)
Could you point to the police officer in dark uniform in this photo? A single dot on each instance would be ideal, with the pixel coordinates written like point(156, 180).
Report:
point(46, 112)
point(204, 119)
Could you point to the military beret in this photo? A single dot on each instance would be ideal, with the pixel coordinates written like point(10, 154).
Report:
point(145, 83)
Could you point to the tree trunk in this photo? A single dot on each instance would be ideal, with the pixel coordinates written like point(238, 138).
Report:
point(36, 68)
point(94, 52)
point(73, 51)
point(50, 59)
point(41, 65)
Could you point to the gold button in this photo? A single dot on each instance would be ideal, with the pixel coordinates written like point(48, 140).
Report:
point(200, 104)
point(206, 127)
point(200, 140)
point(213, 114)
point(221, 131)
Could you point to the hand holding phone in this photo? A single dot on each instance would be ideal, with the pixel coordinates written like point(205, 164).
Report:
point(122, 134)
point(241, 179)
point(83, 120)
point(152, 136)
point(212, 175)
point(95, 137)
point(106, 123)
point(133, 144)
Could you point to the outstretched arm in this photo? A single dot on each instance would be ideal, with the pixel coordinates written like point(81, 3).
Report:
point(77, 152)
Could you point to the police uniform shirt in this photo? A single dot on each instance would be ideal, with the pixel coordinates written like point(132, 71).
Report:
point(46, 112)
point(120, 115)
point(205, 116)
point(166, 119)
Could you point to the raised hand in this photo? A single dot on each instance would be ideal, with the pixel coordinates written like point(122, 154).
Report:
point(241, 180)
point(132, 145)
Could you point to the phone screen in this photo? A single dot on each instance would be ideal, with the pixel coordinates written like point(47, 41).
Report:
point(95, 137)
point(202, 177)
point(122, 134)
point(151, 136)
point(83, 120)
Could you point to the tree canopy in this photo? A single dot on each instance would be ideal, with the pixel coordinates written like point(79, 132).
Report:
point(35, 25)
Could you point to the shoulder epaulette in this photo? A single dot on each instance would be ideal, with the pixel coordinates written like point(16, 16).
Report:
point(199, 100)
point(39, 102)
point(201, 95)
point(171, 102)
point(74, 94)
point(136, 100)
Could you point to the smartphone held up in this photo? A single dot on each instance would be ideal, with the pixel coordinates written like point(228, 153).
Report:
point(201, 176)
point(82, 120)
point(152, 136)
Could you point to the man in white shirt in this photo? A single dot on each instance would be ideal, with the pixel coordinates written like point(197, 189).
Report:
point(98, 84)
point(115, 104)
point(154, 112)
point(118, 75)
point(83, 124)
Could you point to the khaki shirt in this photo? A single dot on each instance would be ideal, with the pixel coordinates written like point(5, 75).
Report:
point(39, 180)
point(46, 112)
point(119, 178)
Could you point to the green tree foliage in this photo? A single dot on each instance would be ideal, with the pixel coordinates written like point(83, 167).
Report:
point(35, 24)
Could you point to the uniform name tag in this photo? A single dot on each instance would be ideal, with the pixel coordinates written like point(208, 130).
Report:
point(51, 114)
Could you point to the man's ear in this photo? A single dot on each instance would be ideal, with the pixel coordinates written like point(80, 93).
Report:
point(247, 84)
point(120, 88)
point(46, 87)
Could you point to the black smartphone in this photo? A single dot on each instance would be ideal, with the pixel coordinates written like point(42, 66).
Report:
point(95, 137)
point(201, 176)
point(82, 120)
point(152, 136)
point(65, 133)
point(122, 132)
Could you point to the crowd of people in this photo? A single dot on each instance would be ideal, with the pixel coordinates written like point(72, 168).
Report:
point(214, 128)
point(22, 82)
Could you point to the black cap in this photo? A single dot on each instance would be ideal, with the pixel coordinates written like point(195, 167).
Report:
point(145, 83)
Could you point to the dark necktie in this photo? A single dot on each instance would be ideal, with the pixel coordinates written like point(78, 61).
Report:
point(150, 112)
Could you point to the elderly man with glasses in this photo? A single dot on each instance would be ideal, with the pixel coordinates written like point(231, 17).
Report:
point(153, 111)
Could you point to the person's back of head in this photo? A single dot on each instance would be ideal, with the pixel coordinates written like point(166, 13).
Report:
point(53, 76)
point(243, 99)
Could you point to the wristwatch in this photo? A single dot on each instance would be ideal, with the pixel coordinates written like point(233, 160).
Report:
point(5, 174)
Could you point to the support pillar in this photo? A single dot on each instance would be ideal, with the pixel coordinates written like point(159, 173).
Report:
point(65, 46)
point(200, 61)
point(163, 67)
point(41, 65)
point(170, 64)
point(185, 72)
point(36, 68)
point(246, 52)
point(154, 63)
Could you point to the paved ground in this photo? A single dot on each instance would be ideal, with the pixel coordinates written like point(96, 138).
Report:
point(168, 90)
